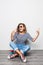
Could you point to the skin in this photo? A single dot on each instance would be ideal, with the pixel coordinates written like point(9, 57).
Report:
point(22, 32)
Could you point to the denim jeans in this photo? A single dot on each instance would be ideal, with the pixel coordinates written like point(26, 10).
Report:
point(20, 46)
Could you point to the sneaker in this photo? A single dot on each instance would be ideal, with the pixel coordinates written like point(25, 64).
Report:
point(12, 56)
point(23, 58)
point(9, 57)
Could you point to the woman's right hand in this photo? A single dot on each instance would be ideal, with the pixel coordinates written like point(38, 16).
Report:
point(12, 35)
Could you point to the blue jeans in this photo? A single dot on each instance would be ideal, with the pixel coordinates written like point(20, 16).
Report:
point(22, 47)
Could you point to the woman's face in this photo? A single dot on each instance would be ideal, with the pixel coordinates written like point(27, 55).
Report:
point(21, 28)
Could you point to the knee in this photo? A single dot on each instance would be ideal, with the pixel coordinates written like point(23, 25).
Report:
point(28, 47)
point(12, 43)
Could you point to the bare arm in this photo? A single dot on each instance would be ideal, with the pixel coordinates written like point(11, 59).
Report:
point(36, 36)
point(12, 35)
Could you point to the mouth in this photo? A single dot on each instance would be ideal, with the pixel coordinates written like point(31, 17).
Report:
point(20, 30)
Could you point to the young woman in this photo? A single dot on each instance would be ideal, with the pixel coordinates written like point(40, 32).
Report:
point(18, 41)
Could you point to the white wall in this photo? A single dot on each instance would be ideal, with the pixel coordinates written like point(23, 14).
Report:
point(13, 12)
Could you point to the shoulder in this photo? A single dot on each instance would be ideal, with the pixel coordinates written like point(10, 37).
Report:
point(27, 33)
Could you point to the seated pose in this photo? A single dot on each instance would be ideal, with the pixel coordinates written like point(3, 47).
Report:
point(18, 42)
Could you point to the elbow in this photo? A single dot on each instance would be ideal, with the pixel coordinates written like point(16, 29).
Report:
point(12, 40)
point(33, 40)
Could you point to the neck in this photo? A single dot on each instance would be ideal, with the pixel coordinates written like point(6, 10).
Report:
point(21, 32)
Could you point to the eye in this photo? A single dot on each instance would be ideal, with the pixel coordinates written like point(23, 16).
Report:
point(20, 26)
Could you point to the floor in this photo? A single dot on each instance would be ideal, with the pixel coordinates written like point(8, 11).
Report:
point(35, 57)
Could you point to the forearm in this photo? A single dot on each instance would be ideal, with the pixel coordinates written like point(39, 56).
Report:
point(12, 35)
point(36, 36)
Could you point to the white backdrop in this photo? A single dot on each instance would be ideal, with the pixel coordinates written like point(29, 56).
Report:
point(13, 12)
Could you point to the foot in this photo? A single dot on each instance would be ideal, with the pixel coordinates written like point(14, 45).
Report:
point(9, 57)
point(12, 56)
point(23, 58)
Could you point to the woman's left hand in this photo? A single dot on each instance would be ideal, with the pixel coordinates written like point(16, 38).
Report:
point(36, 35)
point(38, 32)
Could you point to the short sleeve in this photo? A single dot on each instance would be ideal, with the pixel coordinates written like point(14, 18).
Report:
point(29, 37)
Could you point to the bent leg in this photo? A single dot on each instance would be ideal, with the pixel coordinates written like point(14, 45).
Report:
point(12, 53)
point(15, 47)
point(25, 48)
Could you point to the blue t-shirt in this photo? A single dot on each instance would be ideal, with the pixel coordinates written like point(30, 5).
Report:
point(21, 38)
